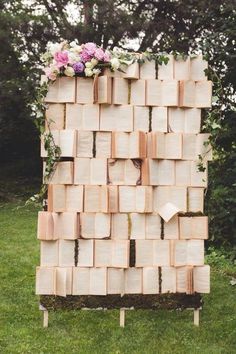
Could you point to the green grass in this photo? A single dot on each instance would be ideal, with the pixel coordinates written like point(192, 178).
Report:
point(98, 331)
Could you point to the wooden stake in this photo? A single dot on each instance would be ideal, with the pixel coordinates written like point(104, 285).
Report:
point(196, 317)
point(45, 315)
point(122, 317)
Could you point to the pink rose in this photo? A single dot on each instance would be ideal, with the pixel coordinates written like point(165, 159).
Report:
point(50, 74)
point(90, 48)
point(106, 56)
point(99, 54)
point(61, 58)
point(85, 56)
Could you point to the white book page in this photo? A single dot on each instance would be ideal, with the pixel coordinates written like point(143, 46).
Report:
point(171, 229)
point(133, 281)
point(85, 253)
point(159, 119)
point(103, 253)
point(203, 94)
point(74, 198)
point(113, 199)
point(200, 227)
point(87, 221)
point(153, 92)
point(173, 146)
point(181, 279)
point(161, 253)
point(98, 281)
point(159, 145)
point(192, 120)
point(74, 116)
point(49, 253)
point(120, 226)
point(166, 71)
point(178, 197)
point(185, 227)
point(84, 90)
point(201, 279)
point(168, 275)
point(103, 144)
point(56, 198)
point(90, 117)
point(182, 69)
point(45, 281)
point(108, 114)
point(66, 253)
point(120, 253)
point(153, 172)
point(153, 226)
point(127, 199)
point(168, 211)
point(121, 145)
point(115, 282)
point(84, 144)
point(187, 93)
point(82, 171)
point(148, 70)
point(137, 226)
point(104, 89)
point(102, 225)
point(195, 252)
point(116, 171)
point(81, 280)
point(170, 93)
point(120, 91)
point(183, 173)
point(67, 143)
point(150, 280)
point(144, 253)
point(53, 92)
point(98, 171)
point(195, 199)
point(123, 118)
point(180, 253)
point(198, 178)
point(65, 172)
point(176, 120)
point(132, 173)
point(141, 118)
point(137, 94)
point(92, 199)
point(60, 289)
point(189, 147)
point(66, 91)
point(55, 116)
point(166, 172)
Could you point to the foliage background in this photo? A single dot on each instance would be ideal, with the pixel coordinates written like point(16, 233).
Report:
point(161, 25)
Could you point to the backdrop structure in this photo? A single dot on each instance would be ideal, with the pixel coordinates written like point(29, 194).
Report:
point(124, 225)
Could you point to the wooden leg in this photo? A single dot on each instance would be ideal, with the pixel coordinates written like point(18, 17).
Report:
point(196, 316)
point(45, 315)
point(122, 317)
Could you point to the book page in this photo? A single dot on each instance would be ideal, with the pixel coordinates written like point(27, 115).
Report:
point(127, 199)
point(148, 70)
point(168, 276)
point(74, 198)
point(161, 253)
point(45, 227)
point(84, 90)
point(141, 118)
point(66, 91)
point(49, 253)
point(81, 171)
point(120, 226)
point(74, 116)
point(144, 253)
point(173, 146)
point(55, 116)
point(87, 221)
point(176, 120)
point(171, 229)
point(137, 94)
point(102, 225)
point(104, 89)
point(132, 172)
point(120, 253)
point(170, 93)
point(180, 253)
point(66, 253)
point(153, 172)
point(159, 145)
point(98, 281)
point(165, 172)
point(96, 199)
point(144, 199)
point(183, 173)
point(198, 178)
point(153, 227)
point(98, 171)
point(45, 281)
point(178, 196)
point(182, 69)
point(181, 279)
point(166, 71)
point(67, 143)
point(203, 94)
point(53, 92)
point(116, 171)
point(85, 253)
point(131, 71)
point(153, 92)
point(90, 116)
point(115, 282)
point(84, 144)
point(56, 198)
point(120, 91)
point(103, 144)
point(133, 281)
point(159, 119)
point(200, 227)
point(192, 120)
point(150, 280)
point(185, 228)
point(103, 253)
point(167, 211)
point(81, 280)
point(124, 118)
point(201, 279)
point(66, 226)
point(113, 199)
point(195, 252)
point(195, 199)
point(187, 94)
point(189, 147)
point(120, 145)
point(65, 172)
point(137, 226)
point(60, 288)
point(197, 68)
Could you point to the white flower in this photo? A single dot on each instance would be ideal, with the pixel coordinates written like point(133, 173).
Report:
point(94, 61)
point(73, 57)
point(96, 71)
point(88, 72)
point(115, 64)
point(54, 47)
point(76, 49)
point(74, 43)
point(89, 65)
point(69, 71)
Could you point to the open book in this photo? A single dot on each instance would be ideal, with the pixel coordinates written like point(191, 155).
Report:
point(150, 280)
point(95, 225)
point(166, 71)
point(158, 172)
point(184, 120)
point(141, 118)
point(151, 253)
point(138, 92)
point(63, 173)
point(111, 253)
point(90, 171)
point(135, 199)
point(61, 90)
point(55, 116)
point(201, 279)
point(89, 281)
point(104, 89)
point(128, 145)
point(148, 70)
point(54, 281)
point(195, 227)
point(168, 280)
point(195, 94)
point(164, 145)
point(120, 93)
point(103, 144)
point(116, 118)
point(173, 194)
point(133, 280)
point(122, 171)
point(187, 252)
point(84, 90)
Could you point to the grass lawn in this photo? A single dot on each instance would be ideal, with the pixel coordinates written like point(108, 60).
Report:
point(97, 331)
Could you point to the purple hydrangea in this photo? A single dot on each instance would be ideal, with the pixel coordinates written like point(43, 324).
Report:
point(78, 67)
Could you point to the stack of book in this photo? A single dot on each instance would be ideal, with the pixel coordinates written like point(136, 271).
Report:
point(126, 200)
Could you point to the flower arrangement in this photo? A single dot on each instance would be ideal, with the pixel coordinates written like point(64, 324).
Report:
point(89, 59)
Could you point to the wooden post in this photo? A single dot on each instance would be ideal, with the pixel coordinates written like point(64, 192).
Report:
point(45, 315)
point(196, 317)
point(122, 317)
